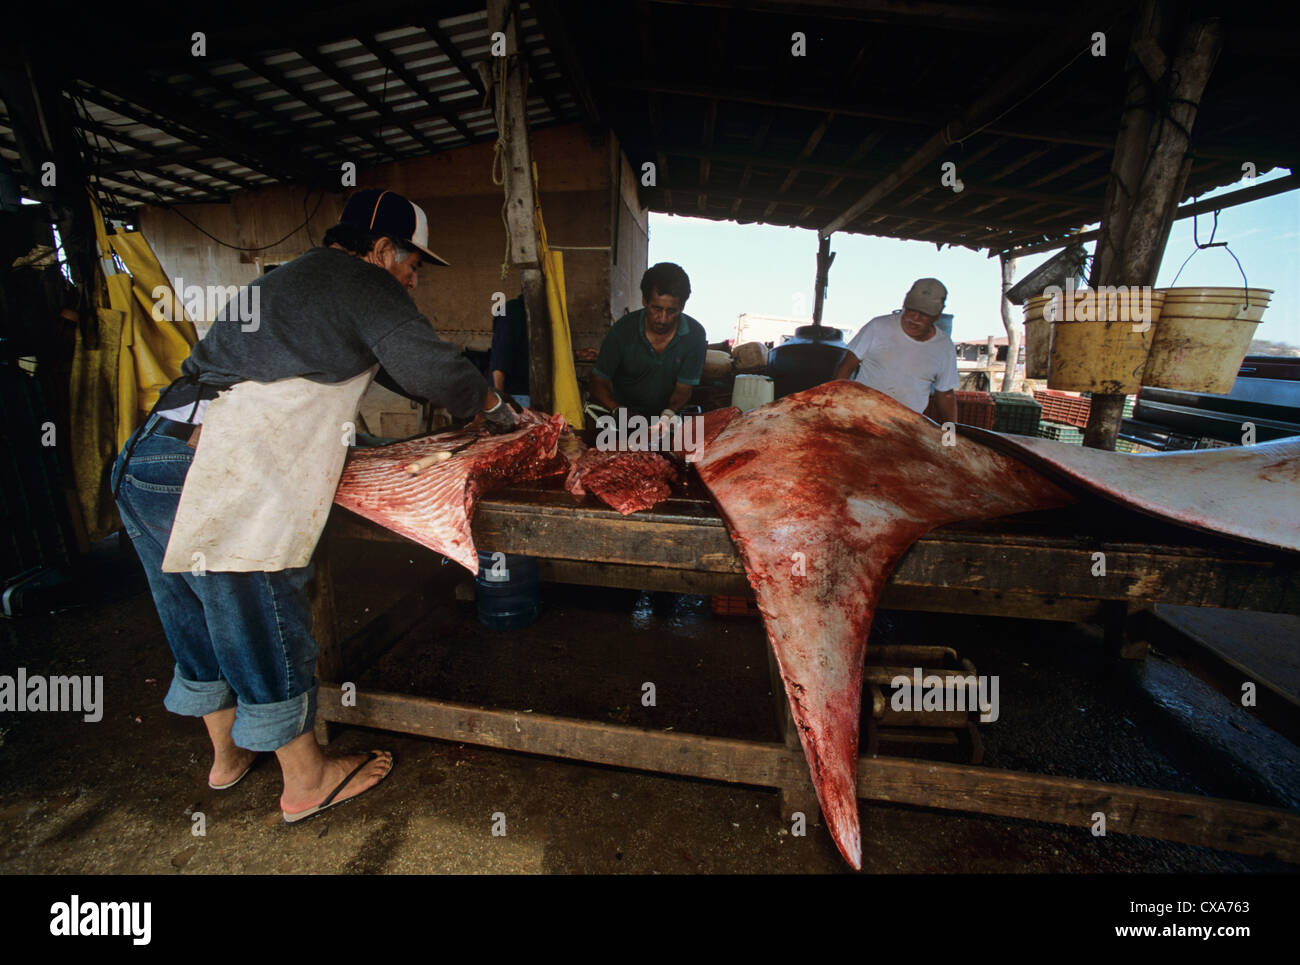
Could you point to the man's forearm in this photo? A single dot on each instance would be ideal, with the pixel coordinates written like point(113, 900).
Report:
point(681, 395)
point(498, 379)
point(846, 367)
point(602, 393)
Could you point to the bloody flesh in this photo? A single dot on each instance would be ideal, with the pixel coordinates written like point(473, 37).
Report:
point(630, 481)
point(434, 507)
point(823, 491)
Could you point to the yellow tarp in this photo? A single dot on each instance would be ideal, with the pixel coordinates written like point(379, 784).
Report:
point(115, 383)
point(564, 377)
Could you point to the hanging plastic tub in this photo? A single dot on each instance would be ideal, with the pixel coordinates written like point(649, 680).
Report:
point(1101, 341)
point(1204, 334)
point(1038, 337)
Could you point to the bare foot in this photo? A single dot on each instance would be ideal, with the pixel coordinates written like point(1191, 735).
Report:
point(228, 764)
point(295, 800)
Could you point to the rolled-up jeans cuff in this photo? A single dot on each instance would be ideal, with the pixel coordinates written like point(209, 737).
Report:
point(268, 727)
point(198, 698)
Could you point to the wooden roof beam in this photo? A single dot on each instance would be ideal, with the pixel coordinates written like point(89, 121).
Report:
point(341, 123)
point(848, 172)
point(156, 156)
point(448, 47)
point(260, 110)
point(1230, 200)
point(551, 20)
point(1027, 71)
point(350, 84)
point(804, 201)
point(422, 90)
point(536, 78)
point(949, 16)
point(156, 108)
point(805, 152)
point(760, 137)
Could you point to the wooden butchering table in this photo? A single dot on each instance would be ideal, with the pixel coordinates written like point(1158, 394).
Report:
point(1038, 566)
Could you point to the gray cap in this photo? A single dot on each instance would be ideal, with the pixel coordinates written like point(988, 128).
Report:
point(926, 296)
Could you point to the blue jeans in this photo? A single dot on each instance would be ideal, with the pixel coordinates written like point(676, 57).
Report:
point(240, 640)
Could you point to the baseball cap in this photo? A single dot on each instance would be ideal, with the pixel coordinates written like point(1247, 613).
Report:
point(926, 296)
point(388, 213)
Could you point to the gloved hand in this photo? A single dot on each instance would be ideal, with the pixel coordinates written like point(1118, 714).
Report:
point(663, 425)
point(499, 419)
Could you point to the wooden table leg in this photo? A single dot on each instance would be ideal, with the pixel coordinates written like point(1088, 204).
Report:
point(324, 628)
point(798, 795)
point(1124, 626)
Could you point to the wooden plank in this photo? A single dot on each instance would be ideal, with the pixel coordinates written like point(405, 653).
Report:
point(713, 758)
point(1002, 563)
point(1187, 818)
point(642, 577)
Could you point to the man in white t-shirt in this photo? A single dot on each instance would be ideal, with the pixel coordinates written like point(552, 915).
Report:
point(904, 356)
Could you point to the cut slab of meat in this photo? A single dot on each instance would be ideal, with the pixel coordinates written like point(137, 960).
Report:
point(634, 480)
point(434, 507)
point(823, 491)
point(627, 481)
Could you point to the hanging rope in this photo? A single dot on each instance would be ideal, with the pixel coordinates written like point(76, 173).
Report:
point(500, 69)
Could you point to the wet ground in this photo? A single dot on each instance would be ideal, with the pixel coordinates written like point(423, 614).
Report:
point(124, 795)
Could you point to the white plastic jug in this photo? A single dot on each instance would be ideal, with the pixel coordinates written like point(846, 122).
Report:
point(751, 391)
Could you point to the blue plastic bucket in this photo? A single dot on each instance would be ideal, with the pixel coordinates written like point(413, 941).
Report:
point(508, 590)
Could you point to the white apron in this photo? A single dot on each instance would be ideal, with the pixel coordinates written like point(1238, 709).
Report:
point(259, 490)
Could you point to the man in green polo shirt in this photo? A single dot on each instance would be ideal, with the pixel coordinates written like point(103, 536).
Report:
point(652, 358)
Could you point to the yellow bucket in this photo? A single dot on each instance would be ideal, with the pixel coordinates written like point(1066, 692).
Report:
point(1038, 341)
point(1241, 304)
point(1198, 354)
point(1101, 340)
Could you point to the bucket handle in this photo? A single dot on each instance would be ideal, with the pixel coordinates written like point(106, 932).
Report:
point(1245, 285)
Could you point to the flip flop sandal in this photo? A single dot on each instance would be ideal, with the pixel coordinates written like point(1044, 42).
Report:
point(230, 784)
point(329, 802)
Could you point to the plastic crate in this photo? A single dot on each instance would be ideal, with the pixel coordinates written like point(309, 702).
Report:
point(975, 409)
point(734, 606)
point(1068, 408)
point(1060, 432)
point(1016, 413)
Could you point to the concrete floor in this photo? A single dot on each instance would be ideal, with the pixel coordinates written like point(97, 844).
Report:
point(119, 796)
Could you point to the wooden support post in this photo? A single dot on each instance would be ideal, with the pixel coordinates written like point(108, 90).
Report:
point(824, 260)
point(1013, 330)
point(518, 173)
point(1150, 169)
point(324, 629)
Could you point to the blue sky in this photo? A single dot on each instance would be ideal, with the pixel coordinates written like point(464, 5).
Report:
point(769, 270)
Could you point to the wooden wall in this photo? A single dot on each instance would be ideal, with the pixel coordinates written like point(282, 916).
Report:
point(581, 182)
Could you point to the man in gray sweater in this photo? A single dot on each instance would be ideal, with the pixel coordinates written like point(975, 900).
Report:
point(245, 657)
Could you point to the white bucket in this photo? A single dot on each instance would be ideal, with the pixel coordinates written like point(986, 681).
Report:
point(751, 391)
